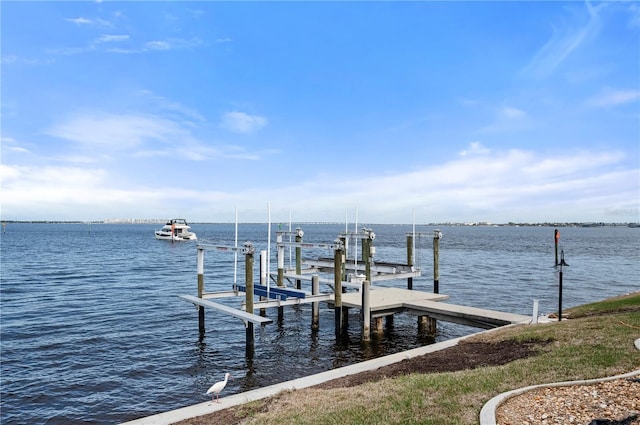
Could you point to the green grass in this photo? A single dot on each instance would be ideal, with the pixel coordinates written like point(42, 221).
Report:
point(597, 342)
point(629, 302)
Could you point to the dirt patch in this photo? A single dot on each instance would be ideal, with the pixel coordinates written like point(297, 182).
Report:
point(465, 355)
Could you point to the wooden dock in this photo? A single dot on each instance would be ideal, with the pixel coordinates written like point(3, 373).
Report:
point(464, 315)
point(388, 301)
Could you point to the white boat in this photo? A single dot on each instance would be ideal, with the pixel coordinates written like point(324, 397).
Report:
point(176, 229)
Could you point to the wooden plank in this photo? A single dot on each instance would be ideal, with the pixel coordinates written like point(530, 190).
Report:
point(253, 318)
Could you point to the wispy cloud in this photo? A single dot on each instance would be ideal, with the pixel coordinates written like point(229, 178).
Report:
point(475, 148)
point(110, 38)
point(143, 135)
point(92, 22)
point(609, 98)
point(79, 21)
point(566, 38)
point(507, 119)
point(240, 122)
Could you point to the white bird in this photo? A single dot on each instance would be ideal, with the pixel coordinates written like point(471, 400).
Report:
point(217, 388)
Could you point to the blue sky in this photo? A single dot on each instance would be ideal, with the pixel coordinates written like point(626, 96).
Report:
point(446, 111)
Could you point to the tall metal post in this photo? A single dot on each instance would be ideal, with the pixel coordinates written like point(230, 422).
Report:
point(562, 263)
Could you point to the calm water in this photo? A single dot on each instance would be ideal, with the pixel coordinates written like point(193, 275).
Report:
point(93, 331)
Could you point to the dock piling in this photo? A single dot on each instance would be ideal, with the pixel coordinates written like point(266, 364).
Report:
point(366, 311)
point(410, 259)
point(299, 234)
point(249, 250)
point(437, 235)
point(280, 281)
point(200, 266)
point(338, 261)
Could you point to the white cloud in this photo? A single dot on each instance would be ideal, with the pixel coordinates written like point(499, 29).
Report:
point(475, 148)
point(507, 119)
point(566, 38)
point(79, 21)
point(611, 98)
point(157, 45)
point(142, 135)
point(495, 186)
point(240, 122)
point(511, 112)
point(115, 132)
point(109, 38)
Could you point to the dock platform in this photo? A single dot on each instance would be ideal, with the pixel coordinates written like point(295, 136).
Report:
point(387, 301)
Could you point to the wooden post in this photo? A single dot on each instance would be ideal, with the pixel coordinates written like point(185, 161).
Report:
point(410, 259)
point(299, 234)
point(280, 281)
point(200, 266)
point(315, 306)
point(437, 234)
point(379, 328)
point(248, 266)
point(338, 260)
point(366, 311)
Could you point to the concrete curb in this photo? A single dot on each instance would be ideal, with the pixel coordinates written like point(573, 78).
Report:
point(200, 409)
point(488, 412)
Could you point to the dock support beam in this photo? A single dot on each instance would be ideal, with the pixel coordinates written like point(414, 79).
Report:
point(248, 266)
point(201, 290)
point(315, 306)
point(338, 261)
point(366, 311)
